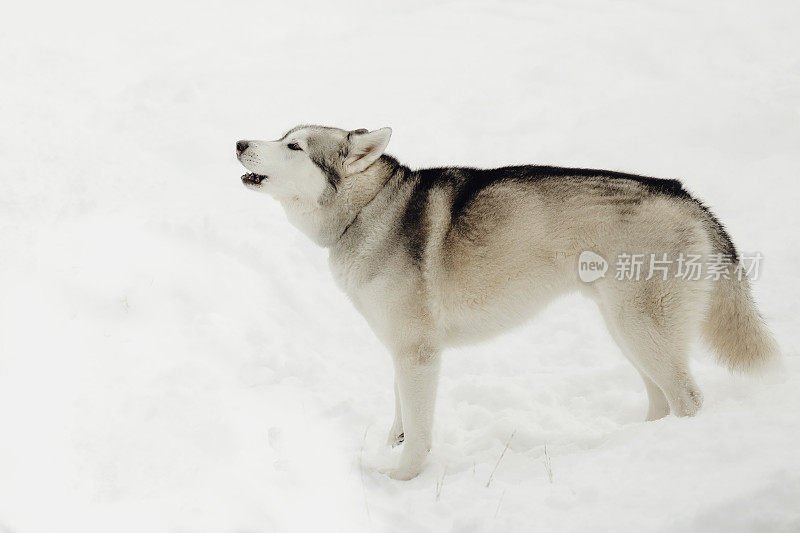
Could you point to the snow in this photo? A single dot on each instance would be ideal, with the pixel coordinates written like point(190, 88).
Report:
point(174, 356)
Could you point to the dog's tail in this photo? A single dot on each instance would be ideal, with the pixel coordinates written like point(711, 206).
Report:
point(735, 329)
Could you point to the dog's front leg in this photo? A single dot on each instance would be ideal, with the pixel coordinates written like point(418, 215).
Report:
point(416, 376)
point(396, 433)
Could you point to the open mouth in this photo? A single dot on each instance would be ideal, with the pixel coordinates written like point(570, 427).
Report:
point(253, 178)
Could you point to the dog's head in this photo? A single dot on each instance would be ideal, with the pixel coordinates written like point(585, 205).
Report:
point(312, 171)
point(310, 163)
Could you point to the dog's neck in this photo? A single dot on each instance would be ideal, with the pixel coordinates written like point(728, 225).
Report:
point(325, 225)
point(365, 186)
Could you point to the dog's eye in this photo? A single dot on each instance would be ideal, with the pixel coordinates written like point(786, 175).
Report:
point(293, 146)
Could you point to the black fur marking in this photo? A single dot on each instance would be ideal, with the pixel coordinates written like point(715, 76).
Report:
point(721, 239)
point(359, 131)
point(475, 180)
point(334, 178)
point(414, 225)
point(467, 183)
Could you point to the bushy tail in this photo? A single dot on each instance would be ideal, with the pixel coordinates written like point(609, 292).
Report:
point(735, 330)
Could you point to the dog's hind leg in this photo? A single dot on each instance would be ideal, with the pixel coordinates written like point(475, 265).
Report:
point(658, 407)
point(669, 369)
point(654, 323)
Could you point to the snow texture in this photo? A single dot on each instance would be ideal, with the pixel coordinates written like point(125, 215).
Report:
point(175, 357)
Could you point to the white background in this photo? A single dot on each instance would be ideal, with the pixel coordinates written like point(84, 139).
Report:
point(174, 356)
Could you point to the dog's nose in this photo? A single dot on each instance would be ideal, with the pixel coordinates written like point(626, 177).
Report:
point(241, 146)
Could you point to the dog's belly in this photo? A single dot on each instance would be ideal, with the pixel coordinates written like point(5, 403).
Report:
point(485, 302)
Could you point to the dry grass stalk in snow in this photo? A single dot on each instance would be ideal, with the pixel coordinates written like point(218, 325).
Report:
point(489, 481)
point(547, 466)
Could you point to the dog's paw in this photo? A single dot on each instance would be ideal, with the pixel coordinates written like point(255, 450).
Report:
point(394, 439)
point(401, 474)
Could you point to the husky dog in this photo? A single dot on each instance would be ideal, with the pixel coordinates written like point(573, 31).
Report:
point(441, 256)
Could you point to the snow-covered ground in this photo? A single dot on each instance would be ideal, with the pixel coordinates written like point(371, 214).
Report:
point(174, 356)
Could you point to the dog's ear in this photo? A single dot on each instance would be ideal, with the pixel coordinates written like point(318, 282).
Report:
point(365, 147)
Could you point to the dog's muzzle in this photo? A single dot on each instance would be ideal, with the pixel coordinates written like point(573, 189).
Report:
point(253, 178)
